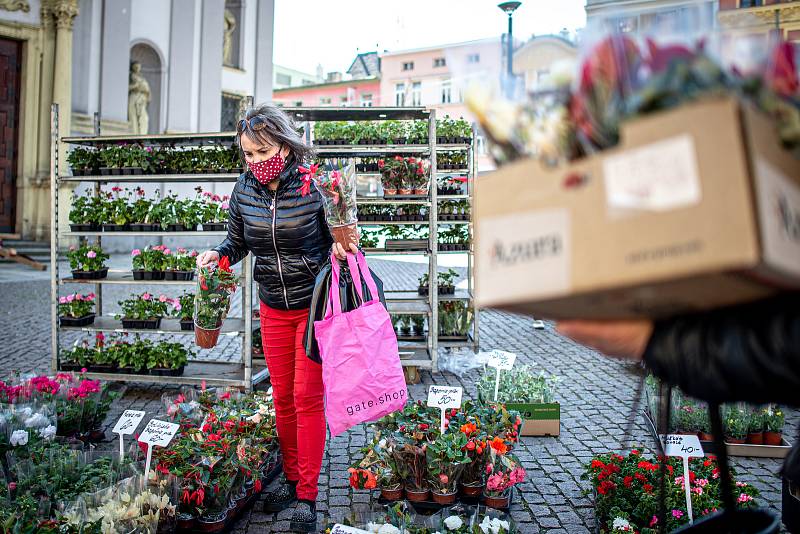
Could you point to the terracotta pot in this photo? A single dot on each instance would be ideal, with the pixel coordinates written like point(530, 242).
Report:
point(496, 502)
point(705, 436)
point(773, 438)
point(217, 525)
point(389, 191)
point(185, 521)
point(444, 498)
point(345, 235)
point(405, 191)
point(392, 494)
point(206, 339)
point(420, 191)
point(417, 495)
point(473, 489)
point(755, 438)
point(734, 441)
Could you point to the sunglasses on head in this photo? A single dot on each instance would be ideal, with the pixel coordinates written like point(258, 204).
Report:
point(255, 124)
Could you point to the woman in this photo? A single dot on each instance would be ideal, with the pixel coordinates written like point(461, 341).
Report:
point(288, 235)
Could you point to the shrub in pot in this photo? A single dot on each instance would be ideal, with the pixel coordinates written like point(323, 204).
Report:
point(447, 458)
point(117, 210)
point(87, 261)
point(143, 311)
point(737, 423)
point(83, 213)
point(215, 284)
point(76, 309)
point(755, 430)
point(183, 309)
point(774, 420)
point(504, 472)
point(149, 263)
point(82, 161)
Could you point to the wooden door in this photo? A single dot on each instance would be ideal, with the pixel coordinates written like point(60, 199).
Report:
point(10, 65)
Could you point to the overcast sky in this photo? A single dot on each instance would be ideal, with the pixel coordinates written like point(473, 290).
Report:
point(331, 32)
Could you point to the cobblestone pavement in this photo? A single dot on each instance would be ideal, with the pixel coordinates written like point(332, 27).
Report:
point(595, 394)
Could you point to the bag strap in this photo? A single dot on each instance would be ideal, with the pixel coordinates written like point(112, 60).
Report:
point(335, 300)
point(354, 274)
point(358, 263)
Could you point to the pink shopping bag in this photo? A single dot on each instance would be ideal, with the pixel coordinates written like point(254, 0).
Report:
point(361, 369)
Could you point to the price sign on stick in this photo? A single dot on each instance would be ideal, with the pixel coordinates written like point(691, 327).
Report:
point(686, 447)
point(343, 529)
point(156, 433)
point(126, 425)
point(444, 397)
point(500, 360)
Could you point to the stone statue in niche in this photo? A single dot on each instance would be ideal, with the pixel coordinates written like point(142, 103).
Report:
point(227, 42)
point(138, 99)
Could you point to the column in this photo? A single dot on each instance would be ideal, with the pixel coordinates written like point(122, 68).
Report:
point(183, 65)
point(265, 28)
point(209, 108)
point(115, 60)
point(41, 181)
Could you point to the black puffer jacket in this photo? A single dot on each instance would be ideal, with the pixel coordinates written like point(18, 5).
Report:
point(291, 242)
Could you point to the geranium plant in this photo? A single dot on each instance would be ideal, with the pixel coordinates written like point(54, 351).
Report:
point(215, 285)
point(86, 258)
point(144, 306)
point(150, 258)
point(76, 305)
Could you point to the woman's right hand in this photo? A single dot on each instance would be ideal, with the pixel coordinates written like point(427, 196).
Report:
point(208, 257)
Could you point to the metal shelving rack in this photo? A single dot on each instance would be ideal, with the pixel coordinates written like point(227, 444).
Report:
point(416, 354)
point(213, 373)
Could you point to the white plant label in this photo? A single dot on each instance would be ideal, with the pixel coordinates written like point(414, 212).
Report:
point(156, 434)
point(343, 529)
point(500, 360)
point(686, 447)
point(126, 425)
point(444, 397)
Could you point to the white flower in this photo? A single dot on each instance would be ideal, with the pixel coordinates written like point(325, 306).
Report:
point(19, 437)
point(621, 524)
point(48, 432)
point(256, 418)
point(453, 522)
point(25, 412)
point(388, 529)
point(36, 420)
point(493, 525)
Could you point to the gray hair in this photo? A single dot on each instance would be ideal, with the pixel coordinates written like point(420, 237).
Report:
point(280, 131)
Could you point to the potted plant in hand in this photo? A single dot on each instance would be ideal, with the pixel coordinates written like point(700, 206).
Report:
point(773, 425)
point(212, 301)
point(87, 262)
point(447, 458)
point(737, 422)
point(143, 311)
point(76, 309)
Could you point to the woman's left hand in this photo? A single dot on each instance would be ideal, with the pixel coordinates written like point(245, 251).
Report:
point(340, 248)
point(625, 339)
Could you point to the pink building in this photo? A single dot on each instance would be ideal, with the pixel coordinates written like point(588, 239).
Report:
point(363, 92)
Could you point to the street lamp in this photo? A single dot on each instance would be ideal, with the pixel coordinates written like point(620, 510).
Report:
point(509, 8)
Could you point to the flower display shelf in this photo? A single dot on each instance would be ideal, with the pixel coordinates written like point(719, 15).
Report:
point(734, 449)
point(241, 373)
point(430, 506)
point(235, 514)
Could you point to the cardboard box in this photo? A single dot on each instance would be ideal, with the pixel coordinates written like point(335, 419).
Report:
point(538, 419)
point(697, 208)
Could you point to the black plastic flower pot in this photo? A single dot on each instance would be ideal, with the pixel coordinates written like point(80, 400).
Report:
point(77, 321)
point(167, 371)
point(423, 291)
point(138, 274)
point(141, 324)
point(102, 368)
point(116, 171)
point(184, 275)
point(187, 324)
point(157, 275)
point(109, 227)
point(90, 275)
point(105, 171)
point(80, 227)
point(170, 275)
point(750, 521)
point(214, 227)
point(69, 367)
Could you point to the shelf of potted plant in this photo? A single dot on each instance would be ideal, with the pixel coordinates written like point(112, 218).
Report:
point(106, 212)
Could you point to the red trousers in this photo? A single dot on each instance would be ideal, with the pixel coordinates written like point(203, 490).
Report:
point(298, 396)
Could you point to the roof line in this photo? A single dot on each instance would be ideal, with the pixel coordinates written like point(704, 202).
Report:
point(359, 81)
point(443, 46)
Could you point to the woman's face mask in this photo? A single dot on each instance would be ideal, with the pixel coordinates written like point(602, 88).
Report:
point(267, 170)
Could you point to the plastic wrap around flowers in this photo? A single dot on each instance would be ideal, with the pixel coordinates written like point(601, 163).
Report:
point(335, 179)
point(215, 285)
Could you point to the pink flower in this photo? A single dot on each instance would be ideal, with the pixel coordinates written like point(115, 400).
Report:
point(744, 498)
point(177, 305)
point(146, 296)
point(741, 485)
point(78, 296)
point(70, 298)
point(91, 254)
point(677, 514)
point(698, 490)
point(653, 521)
point(135, 252)
point(224, 205)
point(90, 296)
point(702, 482)
point(62, 300)
point(679, 481)
point(167, 251)
point(162, 298)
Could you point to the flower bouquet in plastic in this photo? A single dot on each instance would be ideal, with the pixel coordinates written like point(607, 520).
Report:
point(335, 179)
point(212, 301)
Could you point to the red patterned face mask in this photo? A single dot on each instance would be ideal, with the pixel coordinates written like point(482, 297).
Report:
point(267, 170)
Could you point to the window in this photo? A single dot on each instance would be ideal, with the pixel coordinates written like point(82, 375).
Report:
point(343, 100)
point(439, 62)
point(232, 34)
point(446, 91)
point(542, 78)
point(233, 107)
point(400, 94)
point(366, 101)
point(408, 65)
point(474, 58)
point(283, 79)
point(416, 94)
point(298, 103)
point(750, 3)
point(325, 101)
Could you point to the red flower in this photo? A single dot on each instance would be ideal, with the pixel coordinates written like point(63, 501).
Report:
point(605, 487)
point(200, 496)
point(499, 446)
point(627, 481)
point(203, 284)
point(214, 437)
point(225, 264)
point(640, 477)
point(423, 426)
point(598, 463)
point(648, 488)
point(258, 485)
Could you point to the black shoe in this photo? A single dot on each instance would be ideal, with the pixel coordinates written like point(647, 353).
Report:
point(281, 498)
point(304, 518)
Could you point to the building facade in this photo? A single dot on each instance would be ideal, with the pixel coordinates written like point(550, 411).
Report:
point(197, 62)
point(362, 92)
point(535, 60)
point(285, 77)
point(761, 17)
point(652, 16)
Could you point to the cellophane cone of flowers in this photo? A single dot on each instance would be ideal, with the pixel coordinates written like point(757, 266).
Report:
point(212, 301)
point(335, 179)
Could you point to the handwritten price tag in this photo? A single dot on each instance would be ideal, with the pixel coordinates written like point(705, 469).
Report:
point(156, 434)
point(686, 447)
point(501, 360)
point(127, 425)
point(444, 397)
point(343, 529)
point(159, 433)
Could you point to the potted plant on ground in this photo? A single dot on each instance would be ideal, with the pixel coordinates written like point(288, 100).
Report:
point(212, 301)
point(504, 471)
point(76, 309)
point(87, 262)
point(773, 425)
point(143, 311)
point(472, 480)
point(149, 264)
point(409, 452)
point(755, 430)
point(447, 458)
point(737, 422)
